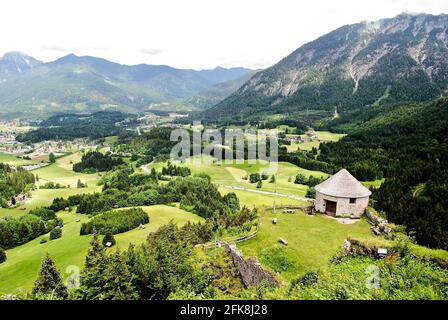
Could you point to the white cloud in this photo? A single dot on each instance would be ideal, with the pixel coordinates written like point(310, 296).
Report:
point(185, 33)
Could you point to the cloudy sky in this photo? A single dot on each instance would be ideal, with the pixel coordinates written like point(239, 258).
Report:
point(184, 33)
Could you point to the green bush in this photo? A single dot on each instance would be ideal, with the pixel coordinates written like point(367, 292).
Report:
point(43, 240)
point(2, 255)
point(109, 237)
point(56, 233)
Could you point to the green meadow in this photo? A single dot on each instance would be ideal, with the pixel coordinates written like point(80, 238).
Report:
point(14, 160)
point(323, 136)
point(312, 241)
point(231, 174)
point(59, 172)
point(20, 270)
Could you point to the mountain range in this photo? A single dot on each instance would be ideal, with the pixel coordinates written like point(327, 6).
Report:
point(401, 59)
point(29, 87)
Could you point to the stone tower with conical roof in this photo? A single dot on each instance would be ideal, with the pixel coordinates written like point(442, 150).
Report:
point(342, 195)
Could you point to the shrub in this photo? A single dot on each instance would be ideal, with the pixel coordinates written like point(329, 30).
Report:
point(2, 255)
point(52, 185)
point(43, 240)
point(56, 233)
point(254, 177)
point(109, 237)
point(311, 193)
point(309, 278)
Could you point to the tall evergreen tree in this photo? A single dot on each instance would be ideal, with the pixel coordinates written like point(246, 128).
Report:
point(92, 278)
point(49, 282)
point(52, 158)
point(118, 282)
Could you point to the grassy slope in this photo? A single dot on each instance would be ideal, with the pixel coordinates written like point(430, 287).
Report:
point(231, 175)
point(14, 161)
point(59, 172)
point(250, 199)
point(323, 136)
point(312, 240)
point(20, 270)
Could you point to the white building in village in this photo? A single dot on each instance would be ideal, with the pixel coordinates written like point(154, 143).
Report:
point(342, 195)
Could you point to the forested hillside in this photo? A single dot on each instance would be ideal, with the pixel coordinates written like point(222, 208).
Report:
point(407, 145)
point(71, 126)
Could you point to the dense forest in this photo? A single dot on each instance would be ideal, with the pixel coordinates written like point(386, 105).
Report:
point(150, 145)
point(114, 222)
point(71, 126)
point(13, 182)
point(94, 161)
point(17, 231)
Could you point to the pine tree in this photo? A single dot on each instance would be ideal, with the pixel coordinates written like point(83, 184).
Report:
point(49, 282)
point(118, 281)
point(92, 278)
point(109, 237)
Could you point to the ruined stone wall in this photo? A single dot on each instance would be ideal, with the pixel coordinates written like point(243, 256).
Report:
point(380, 225)
point(250, 269)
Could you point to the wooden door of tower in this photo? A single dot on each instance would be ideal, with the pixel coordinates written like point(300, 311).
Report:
point(330, 207)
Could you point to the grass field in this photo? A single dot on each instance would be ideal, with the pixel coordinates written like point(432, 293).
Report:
point(44, 197)
point(13, 160)
point(251, 200)
point(323, 136)
point(59, 172)
point(312, 240)
point(375, 184)
point(20, 270)
point(231, 174)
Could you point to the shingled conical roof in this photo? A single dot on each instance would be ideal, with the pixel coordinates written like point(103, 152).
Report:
point(343, 185)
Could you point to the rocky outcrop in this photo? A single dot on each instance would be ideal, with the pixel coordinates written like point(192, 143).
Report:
point(251, 271)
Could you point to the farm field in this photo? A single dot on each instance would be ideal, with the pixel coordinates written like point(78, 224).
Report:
point(312, 241)
point(19, 272)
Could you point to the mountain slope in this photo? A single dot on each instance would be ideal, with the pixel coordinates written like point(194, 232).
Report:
point(74, 83)
point(369, 63)
point(13, 63)
point(216, 93)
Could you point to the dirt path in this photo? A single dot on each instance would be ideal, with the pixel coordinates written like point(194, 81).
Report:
point(264, 192)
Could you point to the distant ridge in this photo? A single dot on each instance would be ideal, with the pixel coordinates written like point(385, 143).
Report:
point(85, 84)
